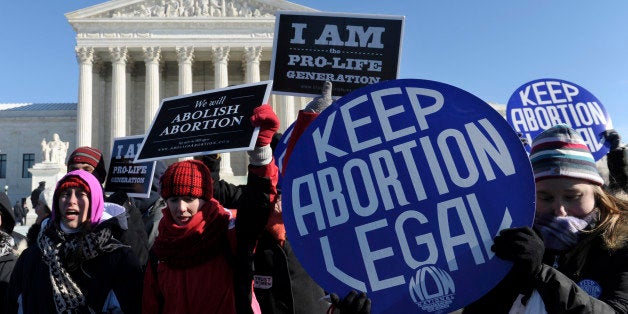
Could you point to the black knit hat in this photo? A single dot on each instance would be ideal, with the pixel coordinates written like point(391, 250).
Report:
point(91, 156)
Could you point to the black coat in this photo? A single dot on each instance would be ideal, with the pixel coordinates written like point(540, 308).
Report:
point(7, 263)
point(135, 236)
point(559, 287)
point(117, 271)
point(281, 283)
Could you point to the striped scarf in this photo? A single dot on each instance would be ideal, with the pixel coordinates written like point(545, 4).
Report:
point(63, 253)
point(6, 244)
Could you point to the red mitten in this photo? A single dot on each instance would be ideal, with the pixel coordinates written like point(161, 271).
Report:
point(265, 118)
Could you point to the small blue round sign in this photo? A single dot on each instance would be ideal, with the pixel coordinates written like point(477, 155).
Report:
point(541, 104)
point(399, 190)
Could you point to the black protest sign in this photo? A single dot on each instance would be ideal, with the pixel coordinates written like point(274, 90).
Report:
point(125, 175)
point(207, 122)
point(349, 50)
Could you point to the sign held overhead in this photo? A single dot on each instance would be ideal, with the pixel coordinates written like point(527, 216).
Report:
point(207, 122)
point(349, 50)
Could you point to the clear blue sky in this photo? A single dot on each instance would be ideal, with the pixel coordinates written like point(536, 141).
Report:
point(488, 48)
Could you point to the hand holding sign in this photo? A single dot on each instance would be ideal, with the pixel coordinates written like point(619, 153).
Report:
point(353, 303)
point(523, 247)
point(265, 118)
point(612, 138)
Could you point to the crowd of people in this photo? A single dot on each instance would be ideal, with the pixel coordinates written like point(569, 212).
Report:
point(197, 243)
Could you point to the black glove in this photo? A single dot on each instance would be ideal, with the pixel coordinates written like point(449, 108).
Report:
point(352, 303)
point(523, 247)
point(612, 137)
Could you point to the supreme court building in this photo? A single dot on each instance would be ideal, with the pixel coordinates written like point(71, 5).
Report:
point(134, 53)
point(131, 55)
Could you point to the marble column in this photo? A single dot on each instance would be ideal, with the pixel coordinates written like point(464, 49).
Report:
point(118, 92)
point(250, 63)
point(100, 127)
point(287, 111)
point(220, 58)
point(129, 82)
point(151, 92)
point(185, 55)
point(251, 60)
point(85, 56)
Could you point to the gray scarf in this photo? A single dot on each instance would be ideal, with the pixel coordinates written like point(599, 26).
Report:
point(561, 233)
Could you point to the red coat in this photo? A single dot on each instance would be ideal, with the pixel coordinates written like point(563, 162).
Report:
point(206, 288)
point(179, 286)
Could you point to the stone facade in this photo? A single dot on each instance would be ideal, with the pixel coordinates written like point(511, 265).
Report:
point(23, 128)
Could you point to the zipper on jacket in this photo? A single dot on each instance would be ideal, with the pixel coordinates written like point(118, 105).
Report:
point(555, 265)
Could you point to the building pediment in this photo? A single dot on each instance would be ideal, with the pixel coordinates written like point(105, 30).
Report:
point(160, 9)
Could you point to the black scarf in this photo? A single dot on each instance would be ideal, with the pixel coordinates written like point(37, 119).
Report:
point(66, 252)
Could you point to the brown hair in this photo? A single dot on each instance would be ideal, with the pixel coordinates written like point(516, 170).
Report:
point(613, 223)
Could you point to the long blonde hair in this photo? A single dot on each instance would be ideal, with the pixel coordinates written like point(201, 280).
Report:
point(613, 223)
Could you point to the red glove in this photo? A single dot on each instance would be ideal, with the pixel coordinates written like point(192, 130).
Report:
point(265, 118)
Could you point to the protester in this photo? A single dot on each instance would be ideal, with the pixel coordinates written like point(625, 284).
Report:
point(281, 283)
point(42, 209)
point(35, 193)
point(575, 260)
point(617, 161)
point(197, 240)
point(17, 240)
point(25, 213)
point(8, 255)
point(18, 213)
point(306, 116)
point(134, 232)
point(292, 289)
point(226, 193)
point(77, 265)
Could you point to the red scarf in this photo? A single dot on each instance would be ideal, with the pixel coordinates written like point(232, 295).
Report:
point(197, 241)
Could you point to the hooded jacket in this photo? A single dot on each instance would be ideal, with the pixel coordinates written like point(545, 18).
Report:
point(111, 278)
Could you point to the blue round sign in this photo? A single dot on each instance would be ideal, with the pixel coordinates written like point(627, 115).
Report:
point(541, 104)
point(399, 190)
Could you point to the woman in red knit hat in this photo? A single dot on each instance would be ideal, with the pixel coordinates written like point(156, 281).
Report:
point(195, 251)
